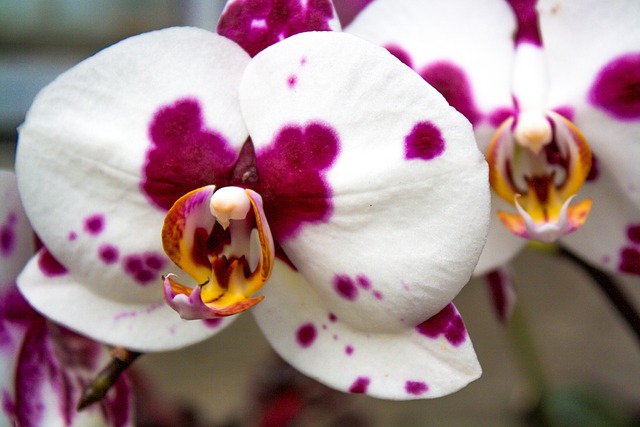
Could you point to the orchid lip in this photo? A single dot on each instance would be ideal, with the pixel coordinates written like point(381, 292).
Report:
point(538, 166)
point(233, 274)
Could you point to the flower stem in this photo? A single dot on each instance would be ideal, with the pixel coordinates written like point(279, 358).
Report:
point(610, 287)
point(107, 377)
point(524, 349)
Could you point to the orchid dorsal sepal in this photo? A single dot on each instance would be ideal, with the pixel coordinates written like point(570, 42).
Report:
point(568, 220)
point(221, 238)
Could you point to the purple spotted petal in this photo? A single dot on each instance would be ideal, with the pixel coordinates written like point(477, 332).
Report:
point(384, 175)
point(601, 85)
point(255, 25)
point(168, 122)
point(433, 359)
point(468, 61)
point(617, 246)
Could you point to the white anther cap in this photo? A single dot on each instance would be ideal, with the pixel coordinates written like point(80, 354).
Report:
point(229, 203)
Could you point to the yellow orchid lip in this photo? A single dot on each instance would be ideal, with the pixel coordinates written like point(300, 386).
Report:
point(223, 241)
point(539, 171)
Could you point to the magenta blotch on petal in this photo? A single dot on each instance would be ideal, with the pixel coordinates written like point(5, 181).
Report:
point(94, 224)
point(345, 287)
point(49, 265)
point(527, 18)
point(633, 233)
point(616, 89)
point(306, 335)
point(416, 388)
point(144, 268)
point(292, 183)
point(448, 323)
point(184, 155)
point(360, 385)
point(425, 142)
point(401, 54)
point(630, 260)
point(255, 25)
point(451, 81)
point(109, 254)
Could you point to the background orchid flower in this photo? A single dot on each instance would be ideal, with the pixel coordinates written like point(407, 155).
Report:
point(373, 188)
point(548, 82)
point(44, 366)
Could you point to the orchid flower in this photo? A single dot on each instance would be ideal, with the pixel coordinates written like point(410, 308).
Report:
point(44, 366)
point(313, 179)
point(551, 88)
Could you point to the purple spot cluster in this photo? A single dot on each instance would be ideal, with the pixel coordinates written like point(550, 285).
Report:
point(184, 155)
point(255, 25)
point(451, 81)
point(8, 235)
point(448, 323)
point(616, 89)
point(306, 335)
point(630, 254)
point(349, 288)
point(291, 177)
point(360, 385)
point(527, 22)
point(416, 388)
point(144, 268)
point(108, 253)
point(49, 266)
point(94, 224)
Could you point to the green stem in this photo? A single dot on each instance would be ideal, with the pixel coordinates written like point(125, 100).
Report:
point(525, 350)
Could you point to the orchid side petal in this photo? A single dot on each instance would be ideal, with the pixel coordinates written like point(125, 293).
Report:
point(430, 359)
point(115, 141)
point(395, 174)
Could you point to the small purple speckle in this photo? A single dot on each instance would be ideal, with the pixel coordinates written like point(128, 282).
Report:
point(345, 287)
point(332, 317)
point(335, 337)
point(324, 327)
point(425, 142)
point(133, 264)
point(616, 88)
point(360, 385)
point(363, 281)
point(306, 335)
point(108, 254)
point(348, 350)
point(448, 323)
point(212, 323)
point(50, 266)
point(633, 233)
point(292, 80)
point(94, 224)
point(303, 60)
point(72, 236)
point(416, 388)
point(144, 276)
point(630, 260)
point(377, 294)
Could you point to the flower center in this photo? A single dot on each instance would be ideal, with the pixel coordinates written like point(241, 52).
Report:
point(227, 274)
point(538, 165)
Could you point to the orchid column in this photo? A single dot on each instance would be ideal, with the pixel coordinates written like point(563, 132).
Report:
point(345, 209)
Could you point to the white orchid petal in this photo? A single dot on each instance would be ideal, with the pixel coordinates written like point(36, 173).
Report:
point(445, 32)
point(136, 326)
point(106, 149)
point(396, 170)
point(610, 238)
point(431, 360)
